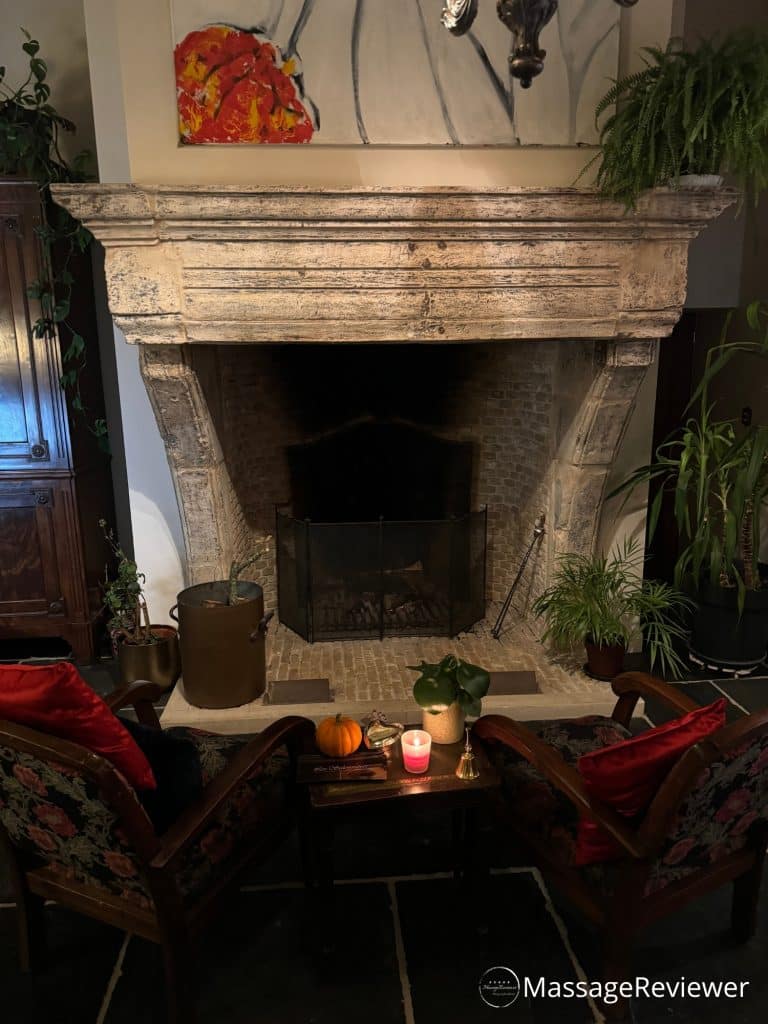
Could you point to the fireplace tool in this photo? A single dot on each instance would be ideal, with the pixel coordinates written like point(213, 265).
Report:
point(538, 533)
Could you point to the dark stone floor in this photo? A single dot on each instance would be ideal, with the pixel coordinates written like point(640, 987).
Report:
point(411, 949)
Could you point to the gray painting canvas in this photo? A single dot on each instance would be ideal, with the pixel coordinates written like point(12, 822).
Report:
point(383, 72)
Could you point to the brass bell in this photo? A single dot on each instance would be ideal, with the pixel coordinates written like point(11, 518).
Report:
point(467, 766)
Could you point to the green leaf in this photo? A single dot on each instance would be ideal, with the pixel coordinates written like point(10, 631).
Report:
point(471, 706)
point(475, 681)
point(75, 348)
point(435, 692)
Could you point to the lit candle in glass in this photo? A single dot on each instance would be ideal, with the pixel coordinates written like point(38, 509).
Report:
point(416, 746)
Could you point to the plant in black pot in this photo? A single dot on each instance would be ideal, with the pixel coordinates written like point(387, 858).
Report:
point(143, 649)
point(604, 603)
point(223, 629)
point(715, 471)
point(688, 117)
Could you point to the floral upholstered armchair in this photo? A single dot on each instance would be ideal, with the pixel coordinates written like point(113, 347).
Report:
point(75, 832)
point(707, 823)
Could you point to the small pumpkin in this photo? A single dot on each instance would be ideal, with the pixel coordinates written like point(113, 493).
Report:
point(338, 736)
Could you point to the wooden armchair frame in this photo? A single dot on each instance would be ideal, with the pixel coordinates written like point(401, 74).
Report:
point(174, 921)
point(629, 910)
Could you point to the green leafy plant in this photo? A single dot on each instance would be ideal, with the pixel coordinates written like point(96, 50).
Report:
point(604, 599)
point(124, 598)
point(703, 111)
point(30, 130)
point(449, 681)
point(717, 472)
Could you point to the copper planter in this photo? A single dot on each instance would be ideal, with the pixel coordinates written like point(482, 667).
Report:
point(223, 647)
point(159, 662)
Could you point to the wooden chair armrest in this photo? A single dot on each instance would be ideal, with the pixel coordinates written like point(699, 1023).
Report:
point(141, 695)
point(291, 731)
point(565, 778)
point(630, 686)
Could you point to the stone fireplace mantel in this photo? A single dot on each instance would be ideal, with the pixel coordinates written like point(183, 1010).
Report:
point(191, 269)
point(198, 264)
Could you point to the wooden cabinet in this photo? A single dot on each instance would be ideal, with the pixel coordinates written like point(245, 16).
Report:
point(50, 500)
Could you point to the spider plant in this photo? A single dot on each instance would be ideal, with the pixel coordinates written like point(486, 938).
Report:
point(604, 601)
point(702, 111)
point(717, 473)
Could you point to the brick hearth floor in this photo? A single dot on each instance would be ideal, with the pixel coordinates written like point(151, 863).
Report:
point(376, 670)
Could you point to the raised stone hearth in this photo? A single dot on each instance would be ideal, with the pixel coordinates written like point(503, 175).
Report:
point(375, 674)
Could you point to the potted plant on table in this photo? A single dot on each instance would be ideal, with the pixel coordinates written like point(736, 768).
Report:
point(716, 474)
point(447, 692)
point(143, 649)
point(604, 603)
point(688, 117)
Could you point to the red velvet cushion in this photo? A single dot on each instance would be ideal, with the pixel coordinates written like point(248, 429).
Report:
point(55, 700)
point(626, 775)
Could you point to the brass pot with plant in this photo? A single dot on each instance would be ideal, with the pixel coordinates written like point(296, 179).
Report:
point(448, 692)
point(223, 631)
point(143, 649)
point(604, 603)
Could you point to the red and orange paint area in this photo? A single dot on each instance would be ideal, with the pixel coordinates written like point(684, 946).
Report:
point(234, 86)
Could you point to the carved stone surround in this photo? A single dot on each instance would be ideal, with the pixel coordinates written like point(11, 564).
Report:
point(196, 265)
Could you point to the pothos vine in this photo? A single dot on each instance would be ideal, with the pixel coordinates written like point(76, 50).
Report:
point(29, 146)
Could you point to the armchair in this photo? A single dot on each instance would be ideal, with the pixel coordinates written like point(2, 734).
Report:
point(75, 832)
point(707, 824)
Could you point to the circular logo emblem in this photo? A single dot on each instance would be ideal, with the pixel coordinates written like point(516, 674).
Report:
point(499, 987)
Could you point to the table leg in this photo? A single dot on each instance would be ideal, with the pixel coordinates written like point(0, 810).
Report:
point(322, 840)
point(464, 834)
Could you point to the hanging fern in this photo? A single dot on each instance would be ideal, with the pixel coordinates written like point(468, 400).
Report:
point(687, 112)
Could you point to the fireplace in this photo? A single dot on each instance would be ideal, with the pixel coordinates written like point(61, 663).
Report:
point(379, 538)
point(553, 300)
point(358, 580)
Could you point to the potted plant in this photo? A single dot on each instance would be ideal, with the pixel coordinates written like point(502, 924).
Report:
point(223, 638)
point(604, 603)
point(716, 473)
point(688, 113)
point(447, 692)
point(144, 650)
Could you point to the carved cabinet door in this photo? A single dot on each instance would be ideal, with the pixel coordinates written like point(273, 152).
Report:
point(30, 579)
point(33, 432)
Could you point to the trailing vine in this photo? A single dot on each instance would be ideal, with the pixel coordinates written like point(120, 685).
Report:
point(30, 128)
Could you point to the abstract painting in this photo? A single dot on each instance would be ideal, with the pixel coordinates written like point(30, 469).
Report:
point(383, 72)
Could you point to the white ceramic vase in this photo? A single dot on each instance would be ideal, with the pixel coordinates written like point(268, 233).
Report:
point(698, 181)
point(446, 726)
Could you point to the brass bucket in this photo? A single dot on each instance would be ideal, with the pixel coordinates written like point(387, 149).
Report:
point(159, 662)
point(223, 647)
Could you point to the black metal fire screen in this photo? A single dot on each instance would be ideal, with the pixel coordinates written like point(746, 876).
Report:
point(346, 581)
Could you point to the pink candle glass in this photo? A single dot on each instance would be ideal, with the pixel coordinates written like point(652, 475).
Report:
point(416, 745)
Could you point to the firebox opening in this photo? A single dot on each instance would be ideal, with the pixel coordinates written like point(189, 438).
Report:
point(380, 469)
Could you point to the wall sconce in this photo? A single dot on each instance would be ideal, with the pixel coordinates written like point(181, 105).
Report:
point(525, 19)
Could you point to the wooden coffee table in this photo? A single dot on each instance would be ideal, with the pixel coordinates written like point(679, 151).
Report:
point(329, 802)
